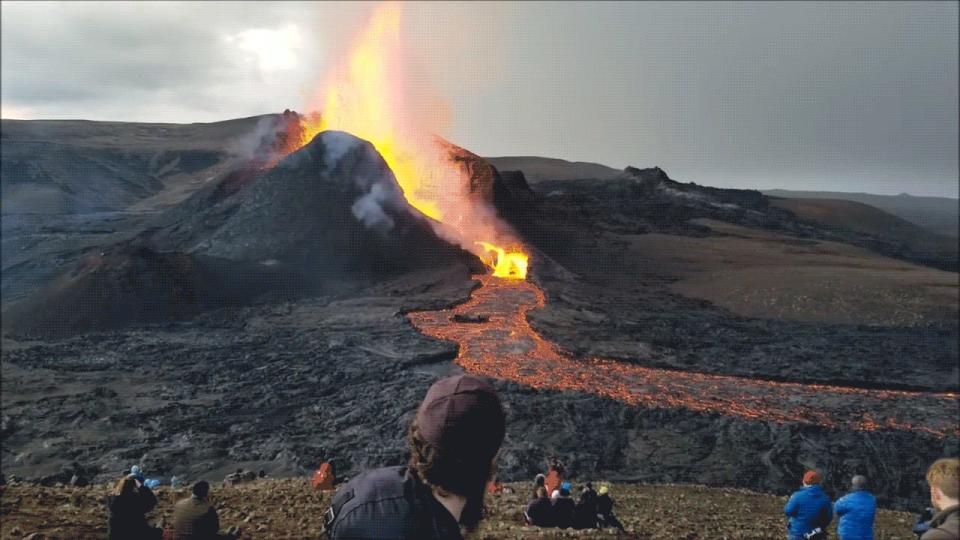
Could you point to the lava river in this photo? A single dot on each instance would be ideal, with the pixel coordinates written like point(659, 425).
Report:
point(506, 347)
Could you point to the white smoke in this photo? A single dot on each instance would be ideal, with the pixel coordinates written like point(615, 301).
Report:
point(369, 208)
point(260, 140)
point(336, 144)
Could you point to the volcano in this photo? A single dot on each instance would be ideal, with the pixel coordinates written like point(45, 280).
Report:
point(327, 217)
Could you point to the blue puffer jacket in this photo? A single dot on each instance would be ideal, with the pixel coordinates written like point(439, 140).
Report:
point(808, 508)
point(856, 512)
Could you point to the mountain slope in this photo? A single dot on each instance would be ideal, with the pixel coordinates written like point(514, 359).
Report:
point(937, 214)
point(538, 169)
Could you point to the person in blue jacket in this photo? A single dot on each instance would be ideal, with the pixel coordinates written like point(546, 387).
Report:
point(856, 512)
point(809, 510)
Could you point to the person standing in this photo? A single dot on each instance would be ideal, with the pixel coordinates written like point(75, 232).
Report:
point(809, 510)
point(856, 511)
point(943, 477)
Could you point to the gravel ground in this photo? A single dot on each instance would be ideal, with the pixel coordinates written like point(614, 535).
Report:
point(289, 508)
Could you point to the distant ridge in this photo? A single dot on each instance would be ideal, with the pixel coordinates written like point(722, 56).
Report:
point(538, 169)
point(936, 214)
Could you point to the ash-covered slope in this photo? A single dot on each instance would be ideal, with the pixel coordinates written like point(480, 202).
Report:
point(333, 208)
point(327, 217)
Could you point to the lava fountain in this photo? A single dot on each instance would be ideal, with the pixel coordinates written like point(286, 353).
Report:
point(371, 96)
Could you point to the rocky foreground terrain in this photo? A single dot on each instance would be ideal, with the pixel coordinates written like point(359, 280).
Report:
point(289, 508)
point(324, 364)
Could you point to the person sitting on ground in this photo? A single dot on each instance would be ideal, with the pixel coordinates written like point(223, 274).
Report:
point(129, 504)
point(239, 477)
point(136, 473)
point(195, 518)
point(943, 477)
point(539, 511)
point(538, 482)
point(563, 507)
point(453, 440)
point(809, 510)
point(585, 513)
point(856, 512)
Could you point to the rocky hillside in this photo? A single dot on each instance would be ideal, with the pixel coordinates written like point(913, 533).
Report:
point(288, 508)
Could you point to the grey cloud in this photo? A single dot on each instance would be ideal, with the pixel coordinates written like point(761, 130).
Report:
point(849, 96)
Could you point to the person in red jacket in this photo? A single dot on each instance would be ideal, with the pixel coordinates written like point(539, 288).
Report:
point(323, 478)
point(555, 476)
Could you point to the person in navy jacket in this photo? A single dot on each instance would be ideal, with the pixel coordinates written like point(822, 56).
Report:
point(809, 510)
point(856, 512)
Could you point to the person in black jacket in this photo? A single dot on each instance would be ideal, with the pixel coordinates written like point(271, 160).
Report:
point(563, 507)
point(605, 510)
point(539, 511)
point(129, 503)
point(453, 441)
point(585, 514)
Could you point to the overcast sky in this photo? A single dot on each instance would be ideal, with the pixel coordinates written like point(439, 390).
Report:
point(835, 96)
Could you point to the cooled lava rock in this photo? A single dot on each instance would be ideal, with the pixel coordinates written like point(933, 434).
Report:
point(129, 284)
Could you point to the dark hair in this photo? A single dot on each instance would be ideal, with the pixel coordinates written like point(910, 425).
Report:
point(201, 489)
point(541, 491)
point(450, 474)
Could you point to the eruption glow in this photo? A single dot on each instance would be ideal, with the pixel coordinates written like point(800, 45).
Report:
point(372, 96)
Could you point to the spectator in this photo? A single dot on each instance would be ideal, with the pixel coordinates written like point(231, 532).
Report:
point(135, 472)
point(239, 477)
point(943, 478)
point(196, 519)
point(538, 482)
point(605, 517)
point(585, 513)
point(323, 477)
point(554, 475)
point(129, 504)
point(856, 512)
point(809, 510)
point(563, 507)
point(539, 511)
point(453, 440)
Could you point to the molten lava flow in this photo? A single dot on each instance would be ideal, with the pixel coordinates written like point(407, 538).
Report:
point(506, 264)
point(372, 96)
point(506, 347)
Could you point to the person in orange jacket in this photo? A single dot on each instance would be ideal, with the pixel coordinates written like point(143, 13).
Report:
point(323, 478)
point(554, 476)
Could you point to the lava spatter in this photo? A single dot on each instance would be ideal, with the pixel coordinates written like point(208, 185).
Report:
point(507, 347)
